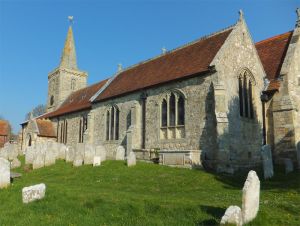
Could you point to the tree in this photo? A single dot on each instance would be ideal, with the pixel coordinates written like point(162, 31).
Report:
point(37, 111)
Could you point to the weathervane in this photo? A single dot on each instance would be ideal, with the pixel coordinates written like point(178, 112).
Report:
point(70, 18)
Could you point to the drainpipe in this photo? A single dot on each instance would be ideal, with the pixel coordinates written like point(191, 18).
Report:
point(264, 99)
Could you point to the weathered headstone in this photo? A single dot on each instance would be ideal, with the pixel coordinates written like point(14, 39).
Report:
point(131, 159)
point(267, 161)
point(233, 215)
point(79, 150)
point(32, 193)
point(250, 201)
point(70, 154)
point(49, 158)
point(97, 161)
point(77, 162)
point(100, 151)
point(53, 147)
point(289, 167)
point(62, 151)
point(15, 163)
point(39, 160)
point(29, 155)
point(120, 154)
point(12, 150)
point(4, 152)
point(4, 173)
point(89, 153)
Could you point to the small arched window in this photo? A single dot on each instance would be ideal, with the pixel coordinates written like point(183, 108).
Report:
point(164, 112)
point(112, 123)
point(180, 117)
point(246, 82)
point(51, 100)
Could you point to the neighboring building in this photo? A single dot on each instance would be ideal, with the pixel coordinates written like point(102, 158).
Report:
point(4, 132)
point(198, 103)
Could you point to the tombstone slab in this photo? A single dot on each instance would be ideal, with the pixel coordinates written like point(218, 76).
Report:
point(120, 154)
point(77, 162)
point(289, 167)
point(250, 201)
point(97, 161)
point(39, 161)
point(32, 193)
point(267, 161)
point(12, 151)
point(4, 173)
point(131, 159)
point(89, 153)
point(29, 155)
point(100, 151)
point(70, 154)
point(50, 158)
point(233, 215)
point(15, 163)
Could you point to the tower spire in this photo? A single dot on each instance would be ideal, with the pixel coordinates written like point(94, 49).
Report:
point(68, 58)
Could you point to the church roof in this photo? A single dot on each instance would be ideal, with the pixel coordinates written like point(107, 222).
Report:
point(68, 57)
point(45, 128)
point(189, 60)
point(4, 128)
point(272, 52)
point(77, 101)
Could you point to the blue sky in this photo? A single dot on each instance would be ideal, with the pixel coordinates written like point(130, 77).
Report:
point(32, 35)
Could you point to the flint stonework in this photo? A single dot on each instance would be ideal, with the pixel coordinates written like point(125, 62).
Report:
point(250, 201)
point(4, 173)
point(32, 193)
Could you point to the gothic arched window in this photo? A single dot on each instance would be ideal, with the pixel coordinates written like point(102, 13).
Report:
point(173, 116)
point(112, 123)
point(246, 81)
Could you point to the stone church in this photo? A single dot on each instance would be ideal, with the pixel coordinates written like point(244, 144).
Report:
point(212, 102)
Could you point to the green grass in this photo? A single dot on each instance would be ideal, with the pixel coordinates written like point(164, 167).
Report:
point(146, 194)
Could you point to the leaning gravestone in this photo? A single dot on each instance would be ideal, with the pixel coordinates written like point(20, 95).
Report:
point(100, 151)
point(233, 215)
point(97, 161)
point(250, 202)
point(267, 161)
point(89, 153)
point(32, 193)
point(288, 163)
point(4, 173)
point(70, 154)
point(15, 163)
point(131, 159)
point(120, 154)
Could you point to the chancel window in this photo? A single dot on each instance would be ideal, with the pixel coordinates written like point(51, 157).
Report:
point(64, 132)
point(83, 123)
point(112, 123)
point(172, 116)
point(246, 82)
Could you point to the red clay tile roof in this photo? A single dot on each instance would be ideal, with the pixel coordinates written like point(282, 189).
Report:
point(45, 128)
point(182, 62)
point(77, 101)
point(272, 52)
point(4, 128)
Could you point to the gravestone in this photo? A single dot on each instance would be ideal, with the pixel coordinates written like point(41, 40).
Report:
point(15, 163)
point(53, 147)
point(289, 167)
point(12, 150)
point(79, 150)
point(39, 160)
point(120, 154)
point(131, 159)
point(50, 158)
point(4, 173)
point(233, 215)
point(250, 201)
point(61, 151)
point(89, 153)
point(4, 152)
point(97, 161)
point(100, 151)
point(32, 193)
point(298, 154)
point(267, 161)
point(77, 162)
point(29, 155)
point(70, 154)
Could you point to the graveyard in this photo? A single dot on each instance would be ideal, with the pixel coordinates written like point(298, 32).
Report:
point(144, 194)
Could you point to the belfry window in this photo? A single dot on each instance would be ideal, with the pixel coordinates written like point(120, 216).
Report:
point(172, 116)
point(112, 123)
point(245, 82)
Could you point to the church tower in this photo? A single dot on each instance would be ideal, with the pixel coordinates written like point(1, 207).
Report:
point(67, 78)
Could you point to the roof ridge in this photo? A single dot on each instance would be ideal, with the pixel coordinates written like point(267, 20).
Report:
point(273, 37)
point(178, 48)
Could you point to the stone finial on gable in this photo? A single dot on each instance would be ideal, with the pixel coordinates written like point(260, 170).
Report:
point(241, 13)
point(120, 67)
point(298, 17)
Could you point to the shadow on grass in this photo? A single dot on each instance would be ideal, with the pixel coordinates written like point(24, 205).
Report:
point(215, 212)
point(280, 182)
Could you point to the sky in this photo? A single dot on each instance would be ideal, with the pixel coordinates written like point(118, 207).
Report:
point(106, 33)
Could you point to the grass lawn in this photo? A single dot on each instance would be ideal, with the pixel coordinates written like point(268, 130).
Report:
point(146, 194)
